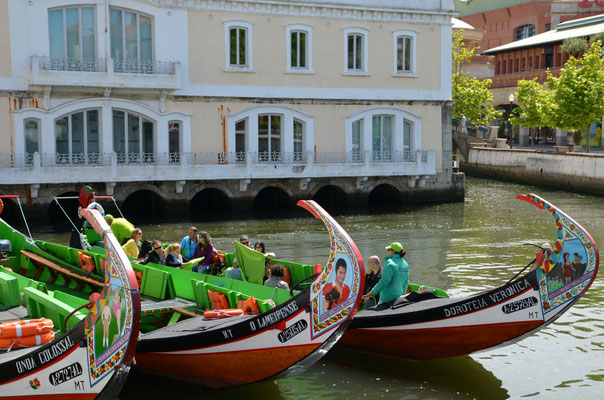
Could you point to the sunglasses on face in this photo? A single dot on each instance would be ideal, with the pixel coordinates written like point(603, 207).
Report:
point(157, 248)
point(245, 243)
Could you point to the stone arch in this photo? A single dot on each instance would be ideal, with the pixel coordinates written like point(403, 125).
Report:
point(210, 204)
point(384, 196)
point(272, 200)
point(332, 198)
point(144, 205)
point(56, 216)
point(12, 215)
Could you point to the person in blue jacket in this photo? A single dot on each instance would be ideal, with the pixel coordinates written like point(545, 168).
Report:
point(395, 277)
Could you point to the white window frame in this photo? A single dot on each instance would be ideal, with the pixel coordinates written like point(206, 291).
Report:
point(288, 31)
point(123, 59)
point(413, 35)
point(70, 154)
point(364, 33)
point(249, 67)
point(80, 57)
point(288, 116)
point(400, 115)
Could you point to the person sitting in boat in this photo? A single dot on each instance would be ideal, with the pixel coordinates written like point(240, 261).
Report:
point(173, 256)
point(542, 258)
point(204, 249)
point(189, 243)
point(372, 278)
point(146, 248)
point(156, 256)
point(244, 240)
point(276, 279)
point(121, 228)
point(131, 248)
point(233, 273)
point(395, 277)
point(336, 292)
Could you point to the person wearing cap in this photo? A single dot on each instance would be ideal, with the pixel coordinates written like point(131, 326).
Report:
point(121, 228)
point(542, 258)
point(395, 276)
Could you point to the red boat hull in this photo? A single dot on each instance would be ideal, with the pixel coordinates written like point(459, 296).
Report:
point(432, 343)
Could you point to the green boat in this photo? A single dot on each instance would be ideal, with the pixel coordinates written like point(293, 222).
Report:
point(63, 333)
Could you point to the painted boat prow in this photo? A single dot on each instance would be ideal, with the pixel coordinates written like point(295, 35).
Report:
point(75, 365)
point(280, 342)
point(448, 327)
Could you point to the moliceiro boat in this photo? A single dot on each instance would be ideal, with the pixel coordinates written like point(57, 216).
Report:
point(290, 331)
point(423, 325)
point(63, 334)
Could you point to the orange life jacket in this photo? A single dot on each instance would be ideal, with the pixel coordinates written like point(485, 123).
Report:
point(228, 312)
point(218, 300)
point(86, 262)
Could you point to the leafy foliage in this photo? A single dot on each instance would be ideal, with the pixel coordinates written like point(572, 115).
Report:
point(535, 105)
point(574, 46)
point(471, 96)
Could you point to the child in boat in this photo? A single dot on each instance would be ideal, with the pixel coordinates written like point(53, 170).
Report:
point(276, 279)
point(131, 247)
point(173, 256)
point(395, 276)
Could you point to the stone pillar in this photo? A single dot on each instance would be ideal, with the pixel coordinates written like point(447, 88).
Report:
point(524, 137)
point(447, 135)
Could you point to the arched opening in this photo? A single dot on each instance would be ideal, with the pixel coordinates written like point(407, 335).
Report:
point(384, 197)
point(56, 212)
point(12, 215)
point(144, 206)
point(210, 204)
point(272, 200)
point(332, 198)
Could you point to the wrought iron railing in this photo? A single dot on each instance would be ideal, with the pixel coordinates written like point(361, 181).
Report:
point(143, 67)
point(72, 64)
point(206, 158)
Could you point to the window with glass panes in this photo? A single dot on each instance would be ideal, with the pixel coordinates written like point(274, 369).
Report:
point(355, 52)
point(131, 36)
point(133, 137)
point(298, 140)
point(238, 46)
point(356, 140)
point(240, 141)
point(298, 49)
point(404, 51)
point(72, 36)
point(382, 137)
point(32, 137)
point(77, 137)
point(269, 137)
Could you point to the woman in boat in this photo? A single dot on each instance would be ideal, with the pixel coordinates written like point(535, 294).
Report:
point(337, 291)
point(276, 279)
point(173, 256)
point(372, 278)
point(156, 256)
point(204, 249)
point(131, 248)
point(395, 277)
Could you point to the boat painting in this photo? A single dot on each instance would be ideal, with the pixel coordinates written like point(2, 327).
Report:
point(424, 327)
point(96, 333)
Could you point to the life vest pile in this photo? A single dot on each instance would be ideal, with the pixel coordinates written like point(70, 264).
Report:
point(26, 333)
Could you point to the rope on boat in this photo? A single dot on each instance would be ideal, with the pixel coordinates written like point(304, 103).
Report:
point(24, 220)
point(64, 212)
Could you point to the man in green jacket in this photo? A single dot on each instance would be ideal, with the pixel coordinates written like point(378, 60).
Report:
point(395, 276)
point(121, 227)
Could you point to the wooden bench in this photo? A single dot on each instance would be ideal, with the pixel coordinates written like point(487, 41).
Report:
point(562, 149)
point(55, 270)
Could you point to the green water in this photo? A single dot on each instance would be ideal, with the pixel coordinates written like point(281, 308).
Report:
point(462, 248)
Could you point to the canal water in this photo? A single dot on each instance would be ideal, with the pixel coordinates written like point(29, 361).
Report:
point(462, 248)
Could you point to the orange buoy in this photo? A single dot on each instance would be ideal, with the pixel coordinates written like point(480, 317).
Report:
point(228, 312)
point(27, 327)
point(26, 341)
point(250, 306)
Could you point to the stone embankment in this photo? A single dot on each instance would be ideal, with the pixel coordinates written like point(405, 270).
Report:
point(575, 172)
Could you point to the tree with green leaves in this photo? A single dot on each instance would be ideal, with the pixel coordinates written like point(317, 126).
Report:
point(471, 96)
point(535, 105)
point(578, 93)
point(574, 46)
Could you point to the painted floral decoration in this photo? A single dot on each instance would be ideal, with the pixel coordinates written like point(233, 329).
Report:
point(34, 383)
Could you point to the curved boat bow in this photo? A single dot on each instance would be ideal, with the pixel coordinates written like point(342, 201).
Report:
point(446, 327)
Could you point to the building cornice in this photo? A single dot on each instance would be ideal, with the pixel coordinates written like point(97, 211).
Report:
point(315, 10)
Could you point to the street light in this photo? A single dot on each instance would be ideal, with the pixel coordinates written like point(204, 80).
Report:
point(510, 137)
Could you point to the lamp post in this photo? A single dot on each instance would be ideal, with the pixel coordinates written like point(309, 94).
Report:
point(510, 136)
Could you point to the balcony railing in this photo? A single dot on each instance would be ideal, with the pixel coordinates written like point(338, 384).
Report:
point(99, 65)
point(512, 79)
point(72, 64)
point(206, 158)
